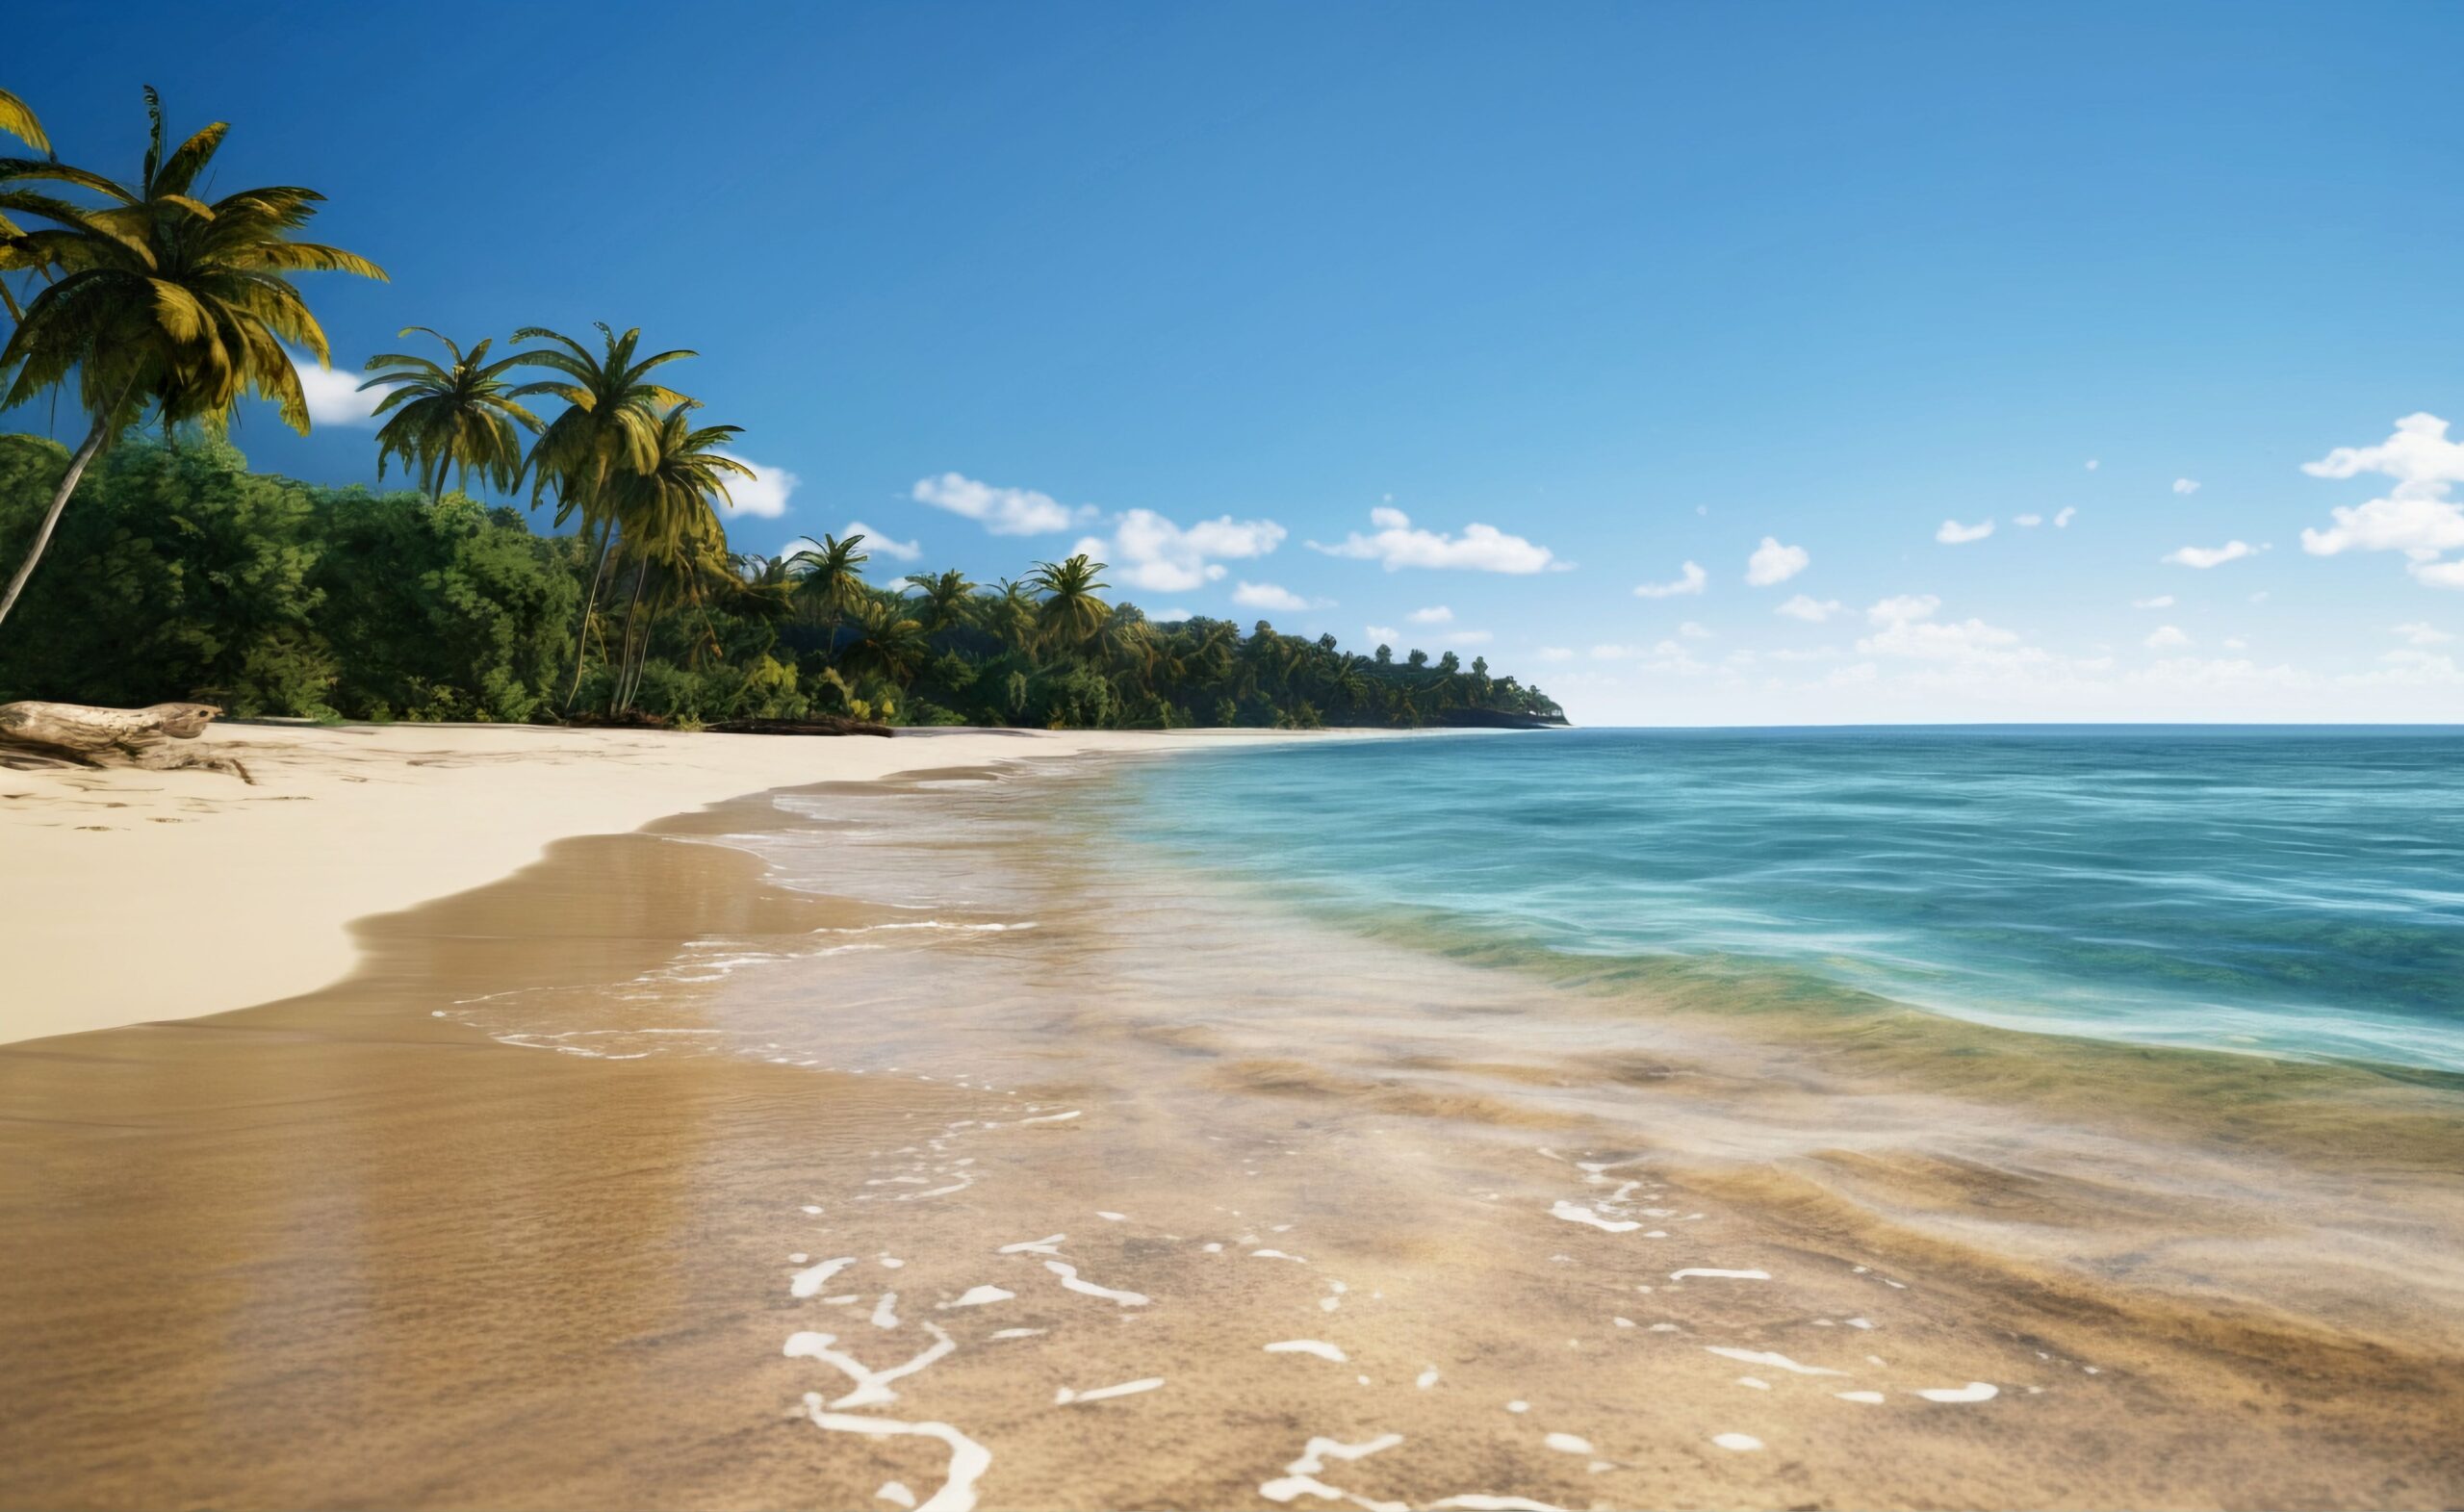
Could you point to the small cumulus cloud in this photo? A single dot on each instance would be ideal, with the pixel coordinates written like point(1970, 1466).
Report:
point(1690, 630)
point(2163, 601)
point(1901, 608)
point(2206, 556)
point(2416, 515)
point(1689, 580)
point(2061, 520)
point(1269, 596)
point(1152, 553)
point(2184, 486)
point(2091, 464)
point(2421, 633)
point(2167, 637)
point(764, 495)
point(1809, 608)
point(1557, 654)
point(1434, 614)
point(1395, 543)
point(2027, 522)
point(879, 543)
point(1383, 632)
point(1954, 534)
point(1002, 511)
point(1773, 563)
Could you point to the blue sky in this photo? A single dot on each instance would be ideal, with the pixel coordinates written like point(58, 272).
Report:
point(1580, 294)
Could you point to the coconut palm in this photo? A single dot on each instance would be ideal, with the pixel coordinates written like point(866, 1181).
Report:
point(886, 644)
point(160, 300)
point(1009, 613)
point(463, 415)
point(829, 576)
point(668, 522)
point(610, 427)
point(944, 600)
point(1069, 612)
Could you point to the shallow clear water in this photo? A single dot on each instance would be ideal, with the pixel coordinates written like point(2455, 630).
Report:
point(2296, 893)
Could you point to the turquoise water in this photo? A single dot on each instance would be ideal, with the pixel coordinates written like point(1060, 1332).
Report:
point(2292, 892)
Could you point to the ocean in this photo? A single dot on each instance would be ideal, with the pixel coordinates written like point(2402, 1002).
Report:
point(2285, 891)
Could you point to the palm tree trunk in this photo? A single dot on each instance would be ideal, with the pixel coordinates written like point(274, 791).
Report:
point(620, 696)
point(95, 440)
point(581, 641)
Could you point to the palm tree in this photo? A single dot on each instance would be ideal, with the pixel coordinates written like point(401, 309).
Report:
point(463, 415)
point(828, 576)
point(1070, 612)
point(163, 299)
point(17, 119)
point(666, 518)
point(1008, 611)
point(610, 427)
point(944, 601)
point(886, 644)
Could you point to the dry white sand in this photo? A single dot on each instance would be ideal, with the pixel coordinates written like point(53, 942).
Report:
point(127, 896)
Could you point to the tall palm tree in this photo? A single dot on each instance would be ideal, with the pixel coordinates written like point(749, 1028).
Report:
point(165, 300)
point(886, 644)
point(609, 427)
point(1069, 613)
point(667, 518)
point(828, 575)
point(1008, 611)
point(944, 601)
point(443, 418)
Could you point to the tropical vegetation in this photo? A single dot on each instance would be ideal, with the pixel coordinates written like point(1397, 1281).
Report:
point(182, 574)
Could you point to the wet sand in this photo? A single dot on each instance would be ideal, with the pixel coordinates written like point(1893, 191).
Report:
point(1521, 1243)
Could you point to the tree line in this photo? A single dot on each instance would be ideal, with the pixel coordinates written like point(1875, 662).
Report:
point(188, 574)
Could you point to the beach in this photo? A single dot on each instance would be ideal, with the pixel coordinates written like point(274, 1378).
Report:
point(860, 1123)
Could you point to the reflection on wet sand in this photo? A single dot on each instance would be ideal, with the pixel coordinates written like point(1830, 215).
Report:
point(1150, 1196)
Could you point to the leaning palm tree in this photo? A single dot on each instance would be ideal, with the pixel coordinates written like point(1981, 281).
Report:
point(610, 427)
point(443, 418)
point(1070, 612)
point(163, 301)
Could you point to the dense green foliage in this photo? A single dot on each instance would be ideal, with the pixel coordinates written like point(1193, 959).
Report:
point(180, 574)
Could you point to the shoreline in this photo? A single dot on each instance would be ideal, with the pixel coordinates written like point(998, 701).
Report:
point(136, 897)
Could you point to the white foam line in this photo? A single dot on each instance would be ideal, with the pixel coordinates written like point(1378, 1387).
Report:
point(1727, 1276)
point(1300, 1476)
point(1316, 1346)
point(1777, 1362)
point(885, 1311)
point(1875, 1397)
point(1050, 1244)
point(1277, 1254)
point(1577, 1212)
point(1017, 1333)
point(1973, 1391)
point(1068, 1275)
point(871, 1386)
point(1741, 1443)
point(1481, 1502)
point(968, 1459)
point(1567, 1443)
point(896, 1494)
point(1064, 1396)
point(1053, 1117)
point(810, 1282)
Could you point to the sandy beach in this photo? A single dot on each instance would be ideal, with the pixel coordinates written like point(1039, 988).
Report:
point(890, 1141)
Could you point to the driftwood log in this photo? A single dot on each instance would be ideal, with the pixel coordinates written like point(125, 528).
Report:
point(38, 734)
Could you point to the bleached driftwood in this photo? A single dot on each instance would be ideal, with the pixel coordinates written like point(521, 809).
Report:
point(36, 733)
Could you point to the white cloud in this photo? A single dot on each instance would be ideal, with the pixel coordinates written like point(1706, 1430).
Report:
point(1383, 632)
point(1902, 607)
point(1810, 609)
point(879, 543)
point(2236, 643)
point(2167, 637)
point(2091, 464)
point(2421, 633)
point(334, 398)
point(2205, 556)
point(2416, 517)
point(1151, 553)
point(1810, 653)
point(2027, 522)
point(1002, 511)
point(1930, 640)
point(1693, 632)
point(2186, 486)
point(1557, 654)
point(1954, 534)
point(1480, 549)
point(2061, 520)
point(1269, 595)
point(764, 495)
point(1690, 580)
point(1434, 614)
point(1773, 563)
point(2163, 601)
